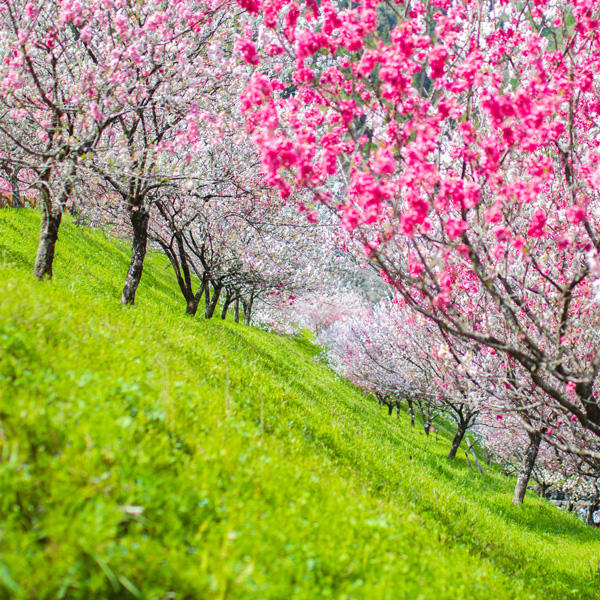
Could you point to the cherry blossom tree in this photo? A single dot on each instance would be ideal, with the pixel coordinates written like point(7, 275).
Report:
point(160, 69)
point(392, 352)
point(460, 148)
point(42, 126)
point(119, 92)
point(554, 471)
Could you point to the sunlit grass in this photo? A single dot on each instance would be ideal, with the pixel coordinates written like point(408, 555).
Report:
point(145, 453)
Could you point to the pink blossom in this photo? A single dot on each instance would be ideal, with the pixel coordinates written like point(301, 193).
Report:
point(248, 50)
point(575, 214)
point(437, 59)
point(537, 224)
point(455, 228)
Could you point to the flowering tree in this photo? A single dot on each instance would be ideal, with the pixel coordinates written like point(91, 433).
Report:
point(120, 94)
point(460, 147)
point(159, 69)
point(233, 235)
point(560, 473)
point(42, 126)
point(392, 352)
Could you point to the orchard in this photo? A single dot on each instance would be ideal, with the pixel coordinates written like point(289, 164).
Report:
point(415, 182)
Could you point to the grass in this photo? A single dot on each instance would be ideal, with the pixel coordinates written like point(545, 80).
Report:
point(147, 454)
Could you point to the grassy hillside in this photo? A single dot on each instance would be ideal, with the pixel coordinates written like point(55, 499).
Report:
point(147, 454)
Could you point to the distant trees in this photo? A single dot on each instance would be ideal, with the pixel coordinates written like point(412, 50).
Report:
point(451, 146)
point(462, 152)
point(398, 356)
point(120, 95)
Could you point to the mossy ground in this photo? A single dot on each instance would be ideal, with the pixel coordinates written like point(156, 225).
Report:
point(147, 454)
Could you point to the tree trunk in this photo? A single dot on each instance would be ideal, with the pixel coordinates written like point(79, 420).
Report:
point(192, 305)
point(210, 309)
point(51, 219)
point(593, 506)
point(390, 406)
point(411, 410)
point(472, 450)
point(139, 218)
point(248, 310)
point(16, 193)
point(526, 468)
point(460, 434)
point(206, 286)
point(196, 301)
point(228, 299)
point(236, 310)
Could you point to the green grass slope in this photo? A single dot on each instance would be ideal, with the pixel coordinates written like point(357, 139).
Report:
point(147, 454)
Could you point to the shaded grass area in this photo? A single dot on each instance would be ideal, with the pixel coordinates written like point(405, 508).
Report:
point(147, 454)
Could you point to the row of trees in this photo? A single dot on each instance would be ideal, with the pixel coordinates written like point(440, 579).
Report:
point(404, 359)
point(455, 143)
point(127, 115)
point(458, 145)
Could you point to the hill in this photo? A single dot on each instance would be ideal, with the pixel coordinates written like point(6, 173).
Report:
point(147, 454)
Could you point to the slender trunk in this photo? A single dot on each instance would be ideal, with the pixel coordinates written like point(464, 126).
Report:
point(51, 219)
point(248, 310)
point(472, 450)
point(206, 286)
point(236, 310)
point(460, 434)
point(526, 468)
point(411, 410)
point(210, 309)
point(194, 301)
point(593, 506)
point(16, 193)
point(469, 461)
point(427, 427)
point(228, 299)
point(390, 406)
point(139, 218)
point(192, 306)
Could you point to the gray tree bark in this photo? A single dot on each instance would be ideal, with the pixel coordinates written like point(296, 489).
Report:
point(228, 300)
point(14, 185)
point(248, 310)
point(212, 304)
point(236, 310)
point(411, 411)
point(526, 468)
point(139, 218)
point(51, 219)
point(593, 506)
point(460, 434)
